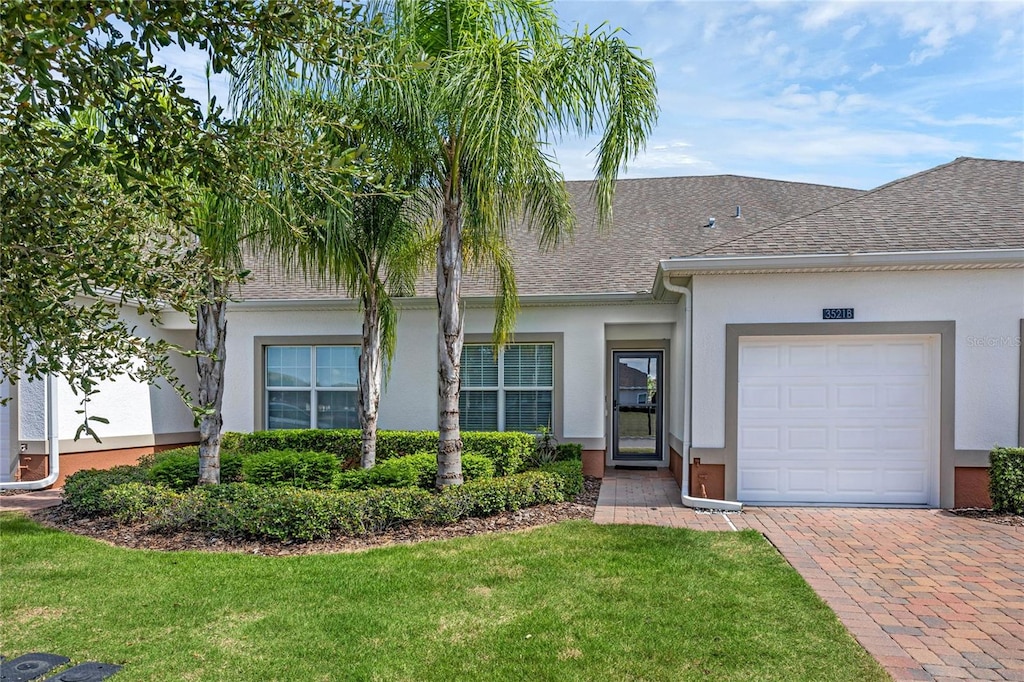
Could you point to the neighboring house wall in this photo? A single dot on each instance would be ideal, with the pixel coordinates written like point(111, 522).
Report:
point(141, 416)
point(985, 305)
point(8, 449)
point(410, 399)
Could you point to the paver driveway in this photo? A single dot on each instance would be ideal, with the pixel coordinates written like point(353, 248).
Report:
point(931, 595)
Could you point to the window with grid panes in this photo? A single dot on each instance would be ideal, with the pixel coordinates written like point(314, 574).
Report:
point(510, 391)
point(312, 387)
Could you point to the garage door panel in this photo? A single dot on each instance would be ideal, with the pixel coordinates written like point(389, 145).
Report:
point(857, 481)
point(904, 481)
point(905, 396)
point(807, 481)
point(807, 438)
point(806, 397)
point(856, 396)
point(837, 419)
point(760, 480)
point(763, 397)
point(811, 355)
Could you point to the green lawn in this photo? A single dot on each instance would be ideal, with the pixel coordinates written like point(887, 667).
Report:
point(568, 602)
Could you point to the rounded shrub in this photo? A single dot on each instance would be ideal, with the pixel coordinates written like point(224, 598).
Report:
point(83, 490)
point(290, 467)
point(178, 469)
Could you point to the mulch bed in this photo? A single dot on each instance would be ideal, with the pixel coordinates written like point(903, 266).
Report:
point(991, 516)
point(137, 537)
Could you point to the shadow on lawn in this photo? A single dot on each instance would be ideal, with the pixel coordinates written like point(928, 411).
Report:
point(14, 523)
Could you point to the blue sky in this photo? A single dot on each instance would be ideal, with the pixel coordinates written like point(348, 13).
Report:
point(846, 93)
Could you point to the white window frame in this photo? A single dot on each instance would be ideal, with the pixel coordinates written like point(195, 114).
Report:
point(311, 390)
point(501, 389)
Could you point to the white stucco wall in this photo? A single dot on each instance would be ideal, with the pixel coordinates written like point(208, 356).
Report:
point(136, 411)
point(410, 400)
point(987, 306)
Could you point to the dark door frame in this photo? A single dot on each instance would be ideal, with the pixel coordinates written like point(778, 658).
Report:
point(659, 406)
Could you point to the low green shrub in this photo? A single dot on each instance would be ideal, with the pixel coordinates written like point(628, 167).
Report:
point(244, 510)
point(510, 451)
point(132, 502)
point(83, 490)
point(418, 470)
point(569, 475)
point(489, 496)
point(567, 451)
point(178, 469)
point(1006, 480)
point(290, 467)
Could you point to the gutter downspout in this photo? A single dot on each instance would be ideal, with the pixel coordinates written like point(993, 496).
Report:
point(53, 440)
point(698, 502)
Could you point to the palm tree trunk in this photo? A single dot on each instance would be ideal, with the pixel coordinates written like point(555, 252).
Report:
point(449, 344)
point(211, 342)
point(370, 372)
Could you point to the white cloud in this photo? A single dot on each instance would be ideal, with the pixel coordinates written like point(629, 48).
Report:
point(853, 31)
point(821, 14)
point(874, 70)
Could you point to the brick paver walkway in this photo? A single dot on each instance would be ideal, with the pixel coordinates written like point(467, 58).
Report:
point(31, 501)
point(931, 595)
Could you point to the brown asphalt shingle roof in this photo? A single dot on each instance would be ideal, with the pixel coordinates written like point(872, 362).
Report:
point(967, 204)
point(654, 218)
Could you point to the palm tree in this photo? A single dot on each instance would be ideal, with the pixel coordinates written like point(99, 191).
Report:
point(359, 237)
point(496, 82)
point(217, 226)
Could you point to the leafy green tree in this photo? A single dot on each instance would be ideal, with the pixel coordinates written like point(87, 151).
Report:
point(496, 81)
point(76, 243)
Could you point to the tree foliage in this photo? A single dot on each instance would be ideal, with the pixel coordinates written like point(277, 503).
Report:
point(77, 200)
point(500, 81)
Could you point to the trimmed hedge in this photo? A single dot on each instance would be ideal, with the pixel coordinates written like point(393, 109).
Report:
point(1006, 480)
point(566, 451)
point(132, 502)
point(419, 470)
point(83, 490)
point(178, 469)
point(288, 467)
point(489, 496)
point(510, 451)
point(569, 474)
point(244, 510)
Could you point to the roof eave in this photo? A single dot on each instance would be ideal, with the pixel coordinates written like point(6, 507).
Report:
point(889, 260)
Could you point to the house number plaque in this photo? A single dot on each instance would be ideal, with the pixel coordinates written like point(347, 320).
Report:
point(837, 313)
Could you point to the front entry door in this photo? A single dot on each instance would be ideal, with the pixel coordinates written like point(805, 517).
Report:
point(637, 382)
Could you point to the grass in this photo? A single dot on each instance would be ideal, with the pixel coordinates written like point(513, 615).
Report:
point(573, 601)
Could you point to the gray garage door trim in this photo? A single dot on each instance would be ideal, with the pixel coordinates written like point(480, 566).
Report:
point(838, 420)
point(947, 382)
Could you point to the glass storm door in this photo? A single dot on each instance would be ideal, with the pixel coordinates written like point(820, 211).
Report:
point(637, 405)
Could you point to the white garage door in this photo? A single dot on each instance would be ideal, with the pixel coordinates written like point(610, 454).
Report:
point(838, 419)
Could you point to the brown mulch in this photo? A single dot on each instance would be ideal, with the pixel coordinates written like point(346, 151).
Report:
point(983, 514)
point(137, 536)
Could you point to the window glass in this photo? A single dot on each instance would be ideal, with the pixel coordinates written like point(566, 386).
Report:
point(527, 410)
point(479, 366)
point(517, 398)
point(337, 410)
point(478, 410)
point(528, 365)
point(288, 366)
point(288, 409)
point(292, 400)
point(337, 366)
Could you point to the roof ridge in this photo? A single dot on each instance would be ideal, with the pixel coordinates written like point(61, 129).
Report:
point(724, 175)
point(893, 183)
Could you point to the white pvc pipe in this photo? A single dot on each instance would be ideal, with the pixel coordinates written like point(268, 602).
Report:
point(688, 501)
point(53, 439)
